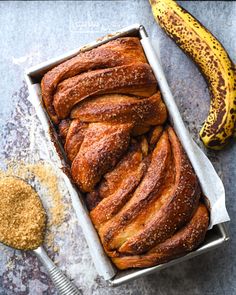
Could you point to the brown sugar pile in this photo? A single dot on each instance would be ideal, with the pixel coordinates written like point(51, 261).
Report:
point(22, 216)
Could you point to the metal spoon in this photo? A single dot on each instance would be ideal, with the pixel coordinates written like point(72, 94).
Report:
point(61, 282)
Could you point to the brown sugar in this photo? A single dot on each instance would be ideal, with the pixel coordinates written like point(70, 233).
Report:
point(45, 178)
point(22, 216)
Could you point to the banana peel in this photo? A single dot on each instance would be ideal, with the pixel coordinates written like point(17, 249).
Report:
point(214, 63)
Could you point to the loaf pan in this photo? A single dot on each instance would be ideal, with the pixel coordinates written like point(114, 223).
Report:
point(215, 236)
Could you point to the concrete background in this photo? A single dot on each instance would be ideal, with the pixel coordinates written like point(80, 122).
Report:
point(32, 32)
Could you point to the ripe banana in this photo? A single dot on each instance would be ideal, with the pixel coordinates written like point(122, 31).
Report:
point(213, 61)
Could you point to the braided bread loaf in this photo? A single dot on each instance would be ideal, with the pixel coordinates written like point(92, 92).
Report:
point(139, 185)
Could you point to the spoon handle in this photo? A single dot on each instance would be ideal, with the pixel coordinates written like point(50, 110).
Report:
point(61, 282)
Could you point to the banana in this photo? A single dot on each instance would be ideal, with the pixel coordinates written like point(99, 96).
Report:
point(214, 63)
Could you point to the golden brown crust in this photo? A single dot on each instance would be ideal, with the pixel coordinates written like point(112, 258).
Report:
point(113, 232)
point(182, 242)
point(176, 211)
point(74, 138)
point(63, 128)
point(117, 108)
point(116, 189)
point(154, 135)
point(162, 203)
point(136, 79)
point(102, 147)
point(119, 52)
point(114, 179)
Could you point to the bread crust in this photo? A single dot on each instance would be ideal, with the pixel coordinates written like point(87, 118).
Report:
point(117, 108)
point(136, 79)
point(122, 51)
point(183, 241)
point(181, 195)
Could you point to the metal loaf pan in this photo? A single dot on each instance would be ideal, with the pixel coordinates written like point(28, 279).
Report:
point(215, 237)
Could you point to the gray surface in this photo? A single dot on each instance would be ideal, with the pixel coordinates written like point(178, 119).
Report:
point(31, 32)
